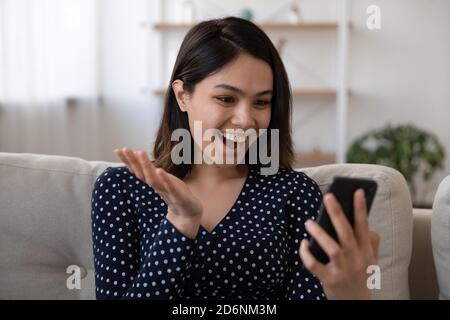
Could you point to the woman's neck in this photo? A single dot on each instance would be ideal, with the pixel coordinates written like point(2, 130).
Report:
point(211, 175)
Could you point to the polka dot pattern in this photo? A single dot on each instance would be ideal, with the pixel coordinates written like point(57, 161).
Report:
point(251, 254)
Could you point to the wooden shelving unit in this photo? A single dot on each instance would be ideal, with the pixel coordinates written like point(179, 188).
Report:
point(340, 93)
point(313, 93)
point(313, 158)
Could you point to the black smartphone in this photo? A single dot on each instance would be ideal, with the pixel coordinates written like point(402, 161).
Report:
point(343, 189)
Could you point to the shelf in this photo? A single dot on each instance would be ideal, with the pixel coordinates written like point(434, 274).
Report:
point(160, 92)
point(309, 93)
point(313, 158)
point(293, 26)
point(313, 93)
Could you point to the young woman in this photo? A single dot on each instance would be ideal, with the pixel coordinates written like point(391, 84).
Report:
point(223, 231)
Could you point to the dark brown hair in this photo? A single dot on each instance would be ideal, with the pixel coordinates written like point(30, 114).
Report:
point(206, 48)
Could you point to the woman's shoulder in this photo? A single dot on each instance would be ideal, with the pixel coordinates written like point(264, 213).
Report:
point(114, 174)
point(121, 183)
point(121, 177)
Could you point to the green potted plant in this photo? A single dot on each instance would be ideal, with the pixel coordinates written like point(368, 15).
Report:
point(406, 148)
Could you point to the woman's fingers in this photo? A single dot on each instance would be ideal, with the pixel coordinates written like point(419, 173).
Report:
point(127, 157)
point(328, 244)
point(148, 169)
point(361, 222)
point(123, 158)
point(310, 262)
point(375, 242)
point(139, 164)
point(340, 222)
point(153, 178)
point(134, 162)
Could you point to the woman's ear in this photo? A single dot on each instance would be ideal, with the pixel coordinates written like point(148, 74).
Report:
point(180, 94)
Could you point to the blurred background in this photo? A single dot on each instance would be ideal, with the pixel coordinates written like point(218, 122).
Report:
point(370, 79)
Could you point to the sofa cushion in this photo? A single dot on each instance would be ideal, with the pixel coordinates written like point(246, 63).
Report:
point(440, 236)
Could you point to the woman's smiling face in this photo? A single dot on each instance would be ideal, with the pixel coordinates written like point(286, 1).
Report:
point(238, 96)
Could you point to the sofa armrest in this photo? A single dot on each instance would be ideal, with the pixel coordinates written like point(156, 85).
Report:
point(440, 237)
point(422, 274)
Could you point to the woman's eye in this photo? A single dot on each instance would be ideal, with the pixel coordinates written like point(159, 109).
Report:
point(226, 99)
point(262, 102)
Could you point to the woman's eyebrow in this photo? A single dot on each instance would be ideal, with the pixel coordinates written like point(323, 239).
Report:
point(240, 91)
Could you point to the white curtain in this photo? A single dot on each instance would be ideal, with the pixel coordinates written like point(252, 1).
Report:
point(48, 51)
point(49, 62)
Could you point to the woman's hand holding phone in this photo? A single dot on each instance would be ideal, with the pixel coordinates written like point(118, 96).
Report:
point(184, 209)
point(345, 276)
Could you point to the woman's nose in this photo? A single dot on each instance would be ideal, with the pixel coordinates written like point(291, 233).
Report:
point(243, 116)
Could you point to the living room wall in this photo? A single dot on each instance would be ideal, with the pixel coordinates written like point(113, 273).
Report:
point(398, 74)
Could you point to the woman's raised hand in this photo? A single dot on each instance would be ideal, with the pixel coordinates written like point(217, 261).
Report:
point(184, 209)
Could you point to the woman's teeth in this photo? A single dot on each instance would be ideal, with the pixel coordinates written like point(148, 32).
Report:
point(238, 138)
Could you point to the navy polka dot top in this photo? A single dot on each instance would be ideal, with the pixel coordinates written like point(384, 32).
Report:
point(251, 254)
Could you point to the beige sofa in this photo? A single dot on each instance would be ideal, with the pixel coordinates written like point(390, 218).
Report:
point(45, 228)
